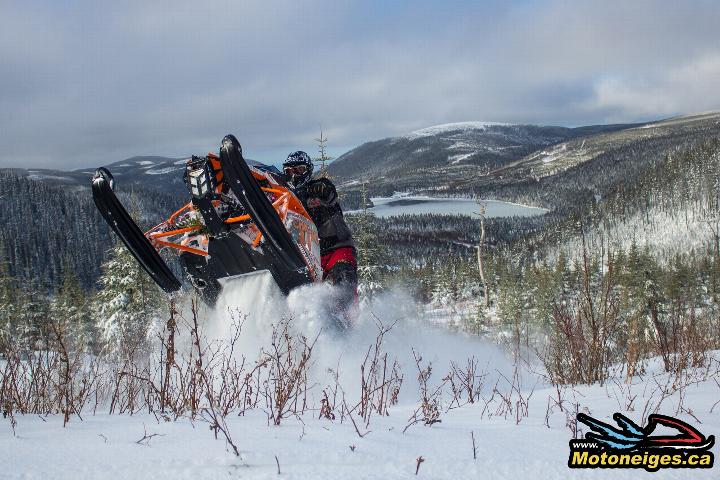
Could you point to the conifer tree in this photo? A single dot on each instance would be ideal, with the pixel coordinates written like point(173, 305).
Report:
point(32, 317)
point(8, 297)
point(69, 309)
point(442, 289)
point(324, 158)
point(370, 254)
point(127, 304)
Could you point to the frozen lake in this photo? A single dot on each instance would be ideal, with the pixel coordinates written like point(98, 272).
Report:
point(414, 205)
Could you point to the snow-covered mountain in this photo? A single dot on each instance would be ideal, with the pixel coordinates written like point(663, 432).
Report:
point(147, 172)
point(153, 172)
point(439, 155)
point(561, 157)
point(562, 169)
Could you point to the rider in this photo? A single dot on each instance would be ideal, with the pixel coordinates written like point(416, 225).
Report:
point(337, 248)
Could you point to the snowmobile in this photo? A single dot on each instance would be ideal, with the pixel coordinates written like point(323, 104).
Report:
point(240, 219)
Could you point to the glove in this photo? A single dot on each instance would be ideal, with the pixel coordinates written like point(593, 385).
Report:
point(318, 190)
point(322, 192)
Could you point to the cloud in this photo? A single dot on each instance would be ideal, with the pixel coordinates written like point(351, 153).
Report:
point(692, 87)
point(83, 83)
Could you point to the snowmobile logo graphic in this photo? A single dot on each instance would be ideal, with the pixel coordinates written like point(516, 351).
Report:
point(630, 446)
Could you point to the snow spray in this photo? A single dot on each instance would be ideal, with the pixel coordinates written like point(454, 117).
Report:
point(256, 301)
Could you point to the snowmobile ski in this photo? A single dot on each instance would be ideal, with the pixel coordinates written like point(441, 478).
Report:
point(242, 183)
point(123, 225)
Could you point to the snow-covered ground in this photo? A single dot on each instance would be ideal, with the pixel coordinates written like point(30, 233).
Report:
point(453, 127)
point(521, 425)
point(104, 446)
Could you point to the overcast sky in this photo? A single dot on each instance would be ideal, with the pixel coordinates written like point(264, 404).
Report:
point(84, 83)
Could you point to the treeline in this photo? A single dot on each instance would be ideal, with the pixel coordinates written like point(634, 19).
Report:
point(673, 208)
point(117, 317)
point(44, 228)
point(433, 240)
point(581, 315)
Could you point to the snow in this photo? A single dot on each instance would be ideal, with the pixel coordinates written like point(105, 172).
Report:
point(319, 449)
point(105, 446)
point(554, 154)
point(531, 444)
point(665, 233)
point(35, 175)
point(451, 127)
point(455, 159)
point(162, 171)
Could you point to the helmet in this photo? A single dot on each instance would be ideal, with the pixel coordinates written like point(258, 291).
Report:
point(298, 168)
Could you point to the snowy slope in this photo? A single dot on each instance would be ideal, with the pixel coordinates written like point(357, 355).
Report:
point(521, 425)
point(665, 234)
point(104, 446)
point(453, 127)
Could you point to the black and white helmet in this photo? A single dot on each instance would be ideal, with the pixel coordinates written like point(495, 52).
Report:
point(298, 168)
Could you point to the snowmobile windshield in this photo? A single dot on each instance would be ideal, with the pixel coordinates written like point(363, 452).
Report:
point(264, 168)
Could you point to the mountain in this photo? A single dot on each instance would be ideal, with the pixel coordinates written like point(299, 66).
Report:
point(49, 218)
point(436, 157)
point(145, 172)
point(541, 166)
point(152, 172)
point(670, 208)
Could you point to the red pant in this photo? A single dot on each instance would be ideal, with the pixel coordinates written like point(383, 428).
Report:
point(341, 255)
point(340, 269)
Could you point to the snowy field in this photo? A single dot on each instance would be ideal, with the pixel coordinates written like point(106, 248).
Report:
point(521, 425)
point(103, 446)
point(415, 205)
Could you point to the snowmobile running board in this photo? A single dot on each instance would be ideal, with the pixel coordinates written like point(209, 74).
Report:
point(123, 225)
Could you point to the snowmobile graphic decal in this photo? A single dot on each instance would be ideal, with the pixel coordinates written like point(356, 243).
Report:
point(630, 446)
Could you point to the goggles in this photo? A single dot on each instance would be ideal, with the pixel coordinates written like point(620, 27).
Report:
point(296, 170)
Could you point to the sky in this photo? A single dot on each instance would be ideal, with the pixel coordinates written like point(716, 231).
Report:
point(86, 83)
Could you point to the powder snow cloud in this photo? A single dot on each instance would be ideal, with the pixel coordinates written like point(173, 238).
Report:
point(84, 83)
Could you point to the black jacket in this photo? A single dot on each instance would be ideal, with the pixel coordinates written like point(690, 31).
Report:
point(320, 199)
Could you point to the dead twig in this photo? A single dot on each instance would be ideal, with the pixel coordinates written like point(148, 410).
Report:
point(145, 440)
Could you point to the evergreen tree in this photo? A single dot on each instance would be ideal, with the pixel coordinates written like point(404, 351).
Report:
point(324, 158)
point(127, 305)
point(32, 318)
point(370, 253)
point(8, 298)
point(23, 311)
point(441, 293)
point(70, 312)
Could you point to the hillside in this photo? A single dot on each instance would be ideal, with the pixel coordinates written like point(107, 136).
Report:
point(437, 157)
point(47, 225)
point(671, 209)
point(566, 170)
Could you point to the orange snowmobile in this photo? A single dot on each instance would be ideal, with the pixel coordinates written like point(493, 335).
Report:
point(240, 219)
